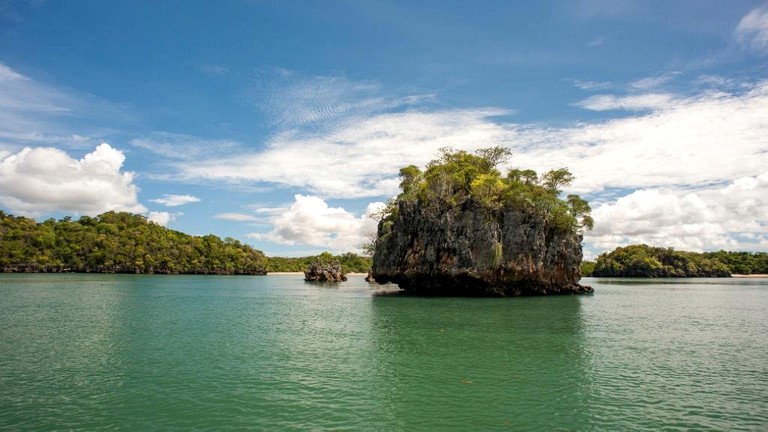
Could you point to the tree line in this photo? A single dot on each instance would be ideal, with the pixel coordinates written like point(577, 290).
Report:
point(350, 262)
point(647, 261)
point(118, 242)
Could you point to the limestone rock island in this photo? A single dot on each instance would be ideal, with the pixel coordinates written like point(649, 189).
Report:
point(462, 228)
point(324, 271)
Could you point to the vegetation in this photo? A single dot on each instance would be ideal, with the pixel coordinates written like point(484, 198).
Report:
point(350, 262)
point(647, 261)
point(742, 262)
point(458, 176)
point(118, 243)
point(587, 268)
point(325, 268)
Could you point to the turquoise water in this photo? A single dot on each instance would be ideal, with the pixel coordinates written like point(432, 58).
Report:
point(124, 352)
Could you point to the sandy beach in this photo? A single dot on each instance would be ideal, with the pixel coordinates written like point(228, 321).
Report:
point(755, 276)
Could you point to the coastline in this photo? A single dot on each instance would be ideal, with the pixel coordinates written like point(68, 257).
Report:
point(302, 274)
point(750, 276)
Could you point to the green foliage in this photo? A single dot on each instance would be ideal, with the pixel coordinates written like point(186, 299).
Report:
point(118, 243)
point(556, 179)
point(457, 176)
point(498, 255)
point(580, 209)
point(350, 262)
point(587, 268)
point(495, 155)
point(742, 262)
point(408, 176)
point(647, 261)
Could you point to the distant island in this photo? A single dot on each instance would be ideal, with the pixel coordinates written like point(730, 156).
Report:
point(349, 262)
point(647, 261)
point(118, 242)
point(461, 227)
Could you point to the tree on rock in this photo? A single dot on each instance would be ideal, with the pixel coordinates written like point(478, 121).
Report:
point(460, 227)
point(325, 269)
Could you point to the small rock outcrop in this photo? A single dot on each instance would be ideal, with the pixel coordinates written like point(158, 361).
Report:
point(369, 278)
point(324, 272)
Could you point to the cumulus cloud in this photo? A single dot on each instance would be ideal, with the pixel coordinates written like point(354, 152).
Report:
point(676, 142)
point(361, 160)
point(711, 138)
point(702, 219)
point(162, 218)
point(176, 200)
point(310, 221)
point(40, 180)
point(702, 139)
point(752, 31)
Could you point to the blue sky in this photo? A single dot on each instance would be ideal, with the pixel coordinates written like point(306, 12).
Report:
point(283, 124)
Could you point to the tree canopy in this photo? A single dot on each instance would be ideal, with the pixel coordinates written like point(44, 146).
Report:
point(646, 261)
point(118, 242)
point(742, 262)
point(456, 176)
point(350, 262)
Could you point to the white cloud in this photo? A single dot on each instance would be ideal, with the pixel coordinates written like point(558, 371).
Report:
point(752, 31)
point(34, 113)
point(310, 221)
point(176, 200)
point(681, 141)
point(707, 218)
point(162, 218)
point(40, 180)
point(294, 100)
point(236, 217)
point(653, 82)
point(359, 160)
point(720, 82)
point(591, 85)
point(183, 147)
point(640, 102)
point(694, 140)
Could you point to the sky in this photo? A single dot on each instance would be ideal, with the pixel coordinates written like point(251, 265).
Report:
point(284, 123)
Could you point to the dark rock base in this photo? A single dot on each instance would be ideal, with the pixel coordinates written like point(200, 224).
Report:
point(470, 287)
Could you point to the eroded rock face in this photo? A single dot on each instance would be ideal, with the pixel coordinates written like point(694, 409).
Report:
point(324, 272)
point(471, 250)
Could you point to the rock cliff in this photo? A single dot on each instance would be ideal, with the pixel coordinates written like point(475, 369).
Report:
point(470, 249)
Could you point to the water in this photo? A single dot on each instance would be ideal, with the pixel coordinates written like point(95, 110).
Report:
point(123, 352)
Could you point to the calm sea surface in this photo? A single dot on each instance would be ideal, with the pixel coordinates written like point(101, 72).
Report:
point(123, 352)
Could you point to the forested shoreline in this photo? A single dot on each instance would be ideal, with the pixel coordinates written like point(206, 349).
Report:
point(648, 261)
point(118, 242)
point(350, 262)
